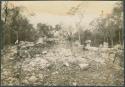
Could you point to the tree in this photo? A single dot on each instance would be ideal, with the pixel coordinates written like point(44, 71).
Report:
point(76, 11)
point(1, 35)
point(45, 30)
point(5, 14)
point(110, 26)
point(118, 18)
point(16, 25)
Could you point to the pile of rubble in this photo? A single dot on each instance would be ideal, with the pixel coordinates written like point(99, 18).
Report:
point(59, 66)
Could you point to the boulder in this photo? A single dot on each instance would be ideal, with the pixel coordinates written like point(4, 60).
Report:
point(84, 66)
point(40, 41)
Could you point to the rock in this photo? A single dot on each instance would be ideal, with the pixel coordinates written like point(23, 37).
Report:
point(32, 79)
point(37, 55)
point(40, 41)
point(41, 77)
point(56, 72)
point(83, 66)
point(6, 73)
point(118, 47)
point(74, 83)
point(66, 64)
point(24, 44)
point(26, 81)
point(44, 52)
point(80, 60)
point(11, 58)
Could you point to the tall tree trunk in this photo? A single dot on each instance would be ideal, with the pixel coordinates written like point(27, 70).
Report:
point(112, 42)
point(9, 38)
point(107, 39)
point(17, 36)
point(6, 11)
point(104, 39)
point(119, 38)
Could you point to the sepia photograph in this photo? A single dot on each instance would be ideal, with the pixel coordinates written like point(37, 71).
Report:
point(62, 43)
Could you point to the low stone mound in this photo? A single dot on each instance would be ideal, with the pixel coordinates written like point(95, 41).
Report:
point(34, 63)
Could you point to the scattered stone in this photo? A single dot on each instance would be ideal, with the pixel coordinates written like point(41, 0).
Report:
point(74, 83)
point(56, 72)
point(40, 40)
point(66, 64)
point(118, 47)
point(25, 44)
point(26, 81)
point(11, 58)
point(34, 70)
point(36, 63)
point(37, 55)
point(40, 76)
point(44, 52)
point(32, 79)
point(83, 66)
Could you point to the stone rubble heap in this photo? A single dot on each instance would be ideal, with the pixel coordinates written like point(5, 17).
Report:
point(59, 66)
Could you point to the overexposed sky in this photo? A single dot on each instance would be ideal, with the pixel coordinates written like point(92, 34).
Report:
point(61, 7)
point(54, 12)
